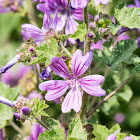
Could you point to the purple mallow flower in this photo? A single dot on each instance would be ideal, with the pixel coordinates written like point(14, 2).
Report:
point(17, 115)
point(1, 134)
point(90, 84)
point(114, 137)
point(25, 110)
point(12, 76)
point(104, 2)
point(10, 64)
point(79, 3)
point(70, 12)
point(36, 130)
point(98, 45)
point(10, 5)
point(35, 95)
point(32, 32)
point(119, 118)
point(7, 102)
point(46, 73)
point(137, 4)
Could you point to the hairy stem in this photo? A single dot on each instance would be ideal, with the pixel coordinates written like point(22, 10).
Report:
point(66, 51)
point(41, 123)
point(30, 12)
point(17, 129)
point(37, 75)
point(86, 49)
point(91, 112)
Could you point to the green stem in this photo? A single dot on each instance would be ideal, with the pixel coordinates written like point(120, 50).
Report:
point(66, 51)
point(91, 112)
point(30, 12)
point(37, 76)
point(41, 123)
point(86, 49)
point(17, 129)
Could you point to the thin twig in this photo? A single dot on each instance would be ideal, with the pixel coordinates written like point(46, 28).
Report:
point(86, 49)
point(66, 51)
point(31, 12)
point(17, 129)
point(37, 75)
point(41, 123)
point(91, 112)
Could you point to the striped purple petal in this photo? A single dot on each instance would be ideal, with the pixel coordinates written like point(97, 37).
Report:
point(80, 63)
point(60, 67)
point(35, 33)
point(60, 5)
point(55, 88)
point(79, 3)
point(42, 7)
point(73, 100)
point(128, 138)
point(98, 45)
point(71, 25)
point(112, 136)
point(37, 129)
point(91, 85)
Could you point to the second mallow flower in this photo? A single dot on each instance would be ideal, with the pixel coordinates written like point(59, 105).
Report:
point(90, 84)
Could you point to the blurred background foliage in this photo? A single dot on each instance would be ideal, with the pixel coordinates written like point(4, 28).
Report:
point(126, 101)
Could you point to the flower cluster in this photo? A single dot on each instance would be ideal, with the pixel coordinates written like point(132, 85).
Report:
point(69, 12)
point(10, 5)
point(90, 84)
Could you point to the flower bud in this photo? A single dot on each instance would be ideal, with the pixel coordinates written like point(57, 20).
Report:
point(90, 35)
point(122, 30)
point(10, 64)
point(17, 115)
point(26, 110)
point(46, 73)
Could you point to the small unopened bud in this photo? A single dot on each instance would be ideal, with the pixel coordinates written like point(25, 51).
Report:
point(31, 49)
point(122, 30)
point(17, 115)
point(10, 64)
point(26, 110)
point(46, 73)
point(90, 35)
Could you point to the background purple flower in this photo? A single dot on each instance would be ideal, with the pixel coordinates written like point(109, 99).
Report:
point(36, 130)
point(10, 5)
point(12, 76)
point(35, 95)
point(34, 33)
point(104, 2)
point(1, 134)
point(119, 118)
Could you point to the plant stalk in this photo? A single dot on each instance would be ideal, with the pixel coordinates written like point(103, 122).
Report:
point(86, 49)
point(91, 112)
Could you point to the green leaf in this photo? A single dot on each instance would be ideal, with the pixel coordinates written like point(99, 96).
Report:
point(80, 33)
point(114, 56)
point(136, 69)
point(111, 105)
point(102, 132)
point(114, 28)
point(126, 94)
point(46, 53)
point(128, 17)
point(38, 107)
point(135, 137)
point(76, 130)
point(6, 112)
point(56, 133)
